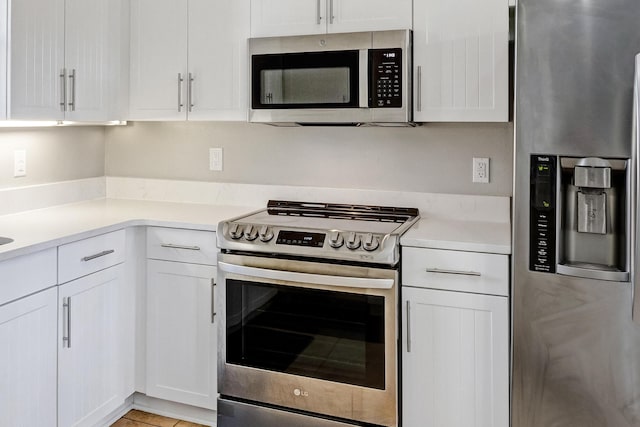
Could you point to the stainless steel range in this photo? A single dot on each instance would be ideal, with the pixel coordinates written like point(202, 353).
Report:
point(309, 325)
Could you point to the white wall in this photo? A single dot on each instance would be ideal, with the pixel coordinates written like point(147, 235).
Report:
point(433, 158)
point(53, 154)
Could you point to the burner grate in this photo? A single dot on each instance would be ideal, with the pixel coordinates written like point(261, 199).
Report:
point(341, 211)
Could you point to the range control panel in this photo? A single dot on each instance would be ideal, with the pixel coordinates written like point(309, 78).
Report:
point(385, 69)
point(542, 216)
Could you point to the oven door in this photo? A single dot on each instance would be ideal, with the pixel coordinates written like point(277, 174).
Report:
point(314, 337)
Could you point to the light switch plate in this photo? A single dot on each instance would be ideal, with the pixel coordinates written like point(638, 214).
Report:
point(215, 159)
point(19, 163)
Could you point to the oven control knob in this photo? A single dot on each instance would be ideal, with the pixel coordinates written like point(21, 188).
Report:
point(265, 234)
point(235, 231)
point(353, 241)
point(250, 232)
point(370, 242)
point(336, 240)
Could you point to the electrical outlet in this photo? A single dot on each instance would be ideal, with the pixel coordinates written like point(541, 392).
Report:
point(481, 170)
point(19, 163)
point(215, 159)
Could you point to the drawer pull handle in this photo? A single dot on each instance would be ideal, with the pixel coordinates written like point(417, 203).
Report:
point(462, 273)
point(213, 301)
point(172, 246)
point(98, 255)
point(66, 322)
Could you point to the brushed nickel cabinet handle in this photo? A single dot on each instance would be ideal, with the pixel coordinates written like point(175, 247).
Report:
point(190, 92)
point(331, 17)
point(98, 255)
point(458, 272)
point(72, 82)
point(63, 89)
point(419, 88)
point(66, 322)
point(318, 13)
point(213, 301)
point(408, 326)
point(180, 103)
point(174, 246)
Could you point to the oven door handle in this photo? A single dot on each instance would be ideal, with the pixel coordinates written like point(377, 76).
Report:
point(316, 279)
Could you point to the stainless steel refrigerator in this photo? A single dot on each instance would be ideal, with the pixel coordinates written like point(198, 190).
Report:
point(576, 340)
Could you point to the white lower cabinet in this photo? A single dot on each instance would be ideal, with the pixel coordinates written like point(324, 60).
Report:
point(455, 369)
point(181, 333)
point(28, 360)
point(94, 348)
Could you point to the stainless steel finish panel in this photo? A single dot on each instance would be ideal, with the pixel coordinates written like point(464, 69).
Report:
point(238, 414)
point(314, 395)
point(592, 215)
point(576, 351)
point(584, 50)
point(635, 203)
point(592, 177)
point(335, 42)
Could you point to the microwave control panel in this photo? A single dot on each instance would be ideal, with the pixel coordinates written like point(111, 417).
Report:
point(385, 69)
point(542, 220)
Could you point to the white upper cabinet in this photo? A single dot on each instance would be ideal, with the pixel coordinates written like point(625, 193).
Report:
point(461, 61)
point(294, 17)
point(66, 59)
point(188, 59)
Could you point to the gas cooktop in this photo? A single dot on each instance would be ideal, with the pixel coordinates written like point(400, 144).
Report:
point(360, 233)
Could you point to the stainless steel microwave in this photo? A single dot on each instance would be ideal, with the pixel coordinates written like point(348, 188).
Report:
point(349, 78)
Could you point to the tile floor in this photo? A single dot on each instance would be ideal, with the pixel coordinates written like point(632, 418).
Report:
point(135, 418)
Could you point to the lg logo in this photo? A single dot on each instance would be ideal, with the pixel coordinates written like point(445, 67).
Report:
point(301, 393)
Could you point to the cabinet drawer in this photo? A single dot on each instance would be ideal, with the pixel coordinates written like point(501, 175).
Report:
point(87, 256)
point(455, 271)
point(175, 244)
point(27, 274)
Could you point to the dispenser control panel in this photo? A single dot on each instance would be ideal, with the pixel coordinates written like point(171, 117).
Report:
point(542, 219)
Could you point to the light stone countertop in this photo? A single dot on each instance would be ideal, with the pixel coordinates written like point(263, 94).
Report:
point(40, 229)
point(488, 237)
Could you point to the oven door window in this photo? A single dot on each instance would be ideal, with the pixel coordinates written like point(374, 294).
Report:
point(334, 336)
point(305, 80)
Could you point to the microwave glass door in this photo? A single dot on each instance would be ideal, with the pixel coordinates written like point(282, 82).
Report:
point(305, 80)
point(333, 336)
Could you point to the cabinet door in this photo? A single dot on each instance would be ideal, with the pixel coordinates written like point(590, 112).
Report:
point(455, 359)
point(288, 17)
point(36, 59)
point(93, 58)
point(95, 321)
point(181, 334)
point(461, 60)
point(369, 15)
point(158, 69)
point(218, 32)
point(28, 329)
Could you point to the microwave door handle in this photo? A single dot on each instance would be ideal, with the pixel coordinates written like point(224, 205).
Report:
point(635, 200)
point(315, 279)
point(363, 78)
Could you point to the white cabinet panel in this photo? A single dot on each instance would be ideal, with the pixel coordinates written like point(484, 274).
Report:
point(188, 59)
point(158, 60)
point(175, 244)
point(28, 330)
point(474, 272)
point(369, 15)
point(455, 359)
point(36, 59)
point(27, 274)
point(288, 17)
point(95, 319)
point(66, 57)
point(461, 60)
point(181, 333)
point(87, 256)
point(295, 17)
